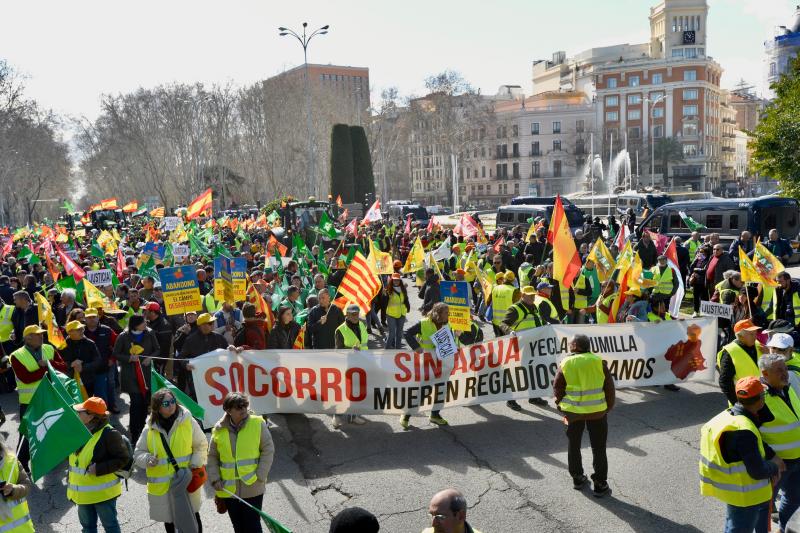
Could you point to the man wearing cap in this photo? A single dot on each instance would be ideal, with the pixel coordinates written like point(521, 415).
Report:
point(158, 323)
point(104, 338)
point(91, 482)
point(82, 356)
point(736, 466)
point(582, 290)
point(29, 363)
point(738, 359)
point(783, 344)
point(504, 294)
point(350, 335)
point(521, 316)
point(666, 281)
point(608, 293)
point(202, 341)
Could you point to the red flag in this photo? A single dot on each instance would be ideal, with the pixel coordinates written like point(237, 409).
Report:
point(623, 235)
point(429, 229)
point(373, 214)
point(566, 260)
point(272, 243)
point(352, 227)
point(466, 227)
point(70, 266)
point(344, 215)
point(7, 246)
point(360, 283)
point(51, 267)
point(498, 244)
point(407, 230)
point(661, 241)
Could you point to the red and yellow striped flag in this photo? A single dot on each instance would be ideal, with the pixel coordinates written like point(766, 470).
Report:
point(158, 212)
point(299, 341)
point(130, 207)
point(566, 261)
point(109, 203)
point(200, 206)
point(360, 283)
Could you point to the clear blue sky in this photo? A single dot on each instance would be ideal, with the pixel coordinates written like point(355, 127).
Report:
point(73, 51)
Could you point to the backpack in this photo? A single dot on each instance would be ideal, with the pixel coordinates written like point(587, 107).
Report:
point(127, 469)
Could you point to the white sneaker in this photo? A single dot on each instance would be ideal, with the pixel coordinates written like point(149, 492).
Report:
point(358, 420)
point(338, 421)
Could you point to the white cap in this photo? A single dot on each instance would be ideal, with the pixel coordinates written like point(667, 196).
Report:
point(781, 341)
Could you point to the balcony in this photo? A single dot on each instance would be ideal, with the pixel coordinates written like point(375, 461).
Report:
point(535, 175)
point(728, 149)
point(515, 154)
point(535, 153)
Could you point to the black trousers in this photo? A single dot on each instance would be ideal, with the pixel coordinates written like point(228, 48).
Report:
point(24, 454)
point(170, 527)
point(598, 434)
point(137, 415)
point(244, 519)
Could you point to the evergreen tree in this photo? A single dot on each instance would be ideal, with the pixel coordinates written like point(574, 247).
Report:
point(342, 164)
point(364, 182)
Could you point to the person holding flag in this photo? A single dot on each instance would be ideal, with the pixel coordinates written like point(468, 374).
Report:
point(14, 492)
point(30, 364)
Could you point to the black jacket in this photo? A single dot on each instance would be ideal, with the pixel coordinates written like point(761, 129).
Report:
point(647, 253)
point(785, 308)
point(430, 294)
point(20, 319)
point(6, 294)
point(180, 337)
point(102, 339)
point(110, 453)
point(163, 330)
point(282, 337)
point(85, 351)
point(198, 344)
point(323, 336)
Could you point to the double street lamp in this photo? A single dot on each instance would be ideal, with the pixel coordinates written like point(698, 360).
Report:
point(653, 103)
point(304, 39)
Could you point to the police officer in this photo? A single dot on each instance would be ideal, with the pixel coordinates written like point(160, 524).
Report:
point(738, 359)
point(666, 281)
point(584, 392)
point(736, 465)
point(521, 316)
point(419, 339)
point(239, 458)
point(350, 335)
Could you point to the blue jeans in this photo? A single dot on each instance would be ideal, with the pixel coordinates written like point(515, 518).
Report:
point(101, 387)
point(106, 511)
point(788, 492)
point(395, 338)
point(747, 519)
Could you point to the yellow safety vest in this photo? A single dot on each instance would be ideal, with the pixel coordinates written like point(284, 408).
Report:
point(783, 433)
point(581, 301)
point(123, 322)
point(502, 300)
point(602, 316)
point(242, 464)
point(396, 308)
point(721, 291)
point(795, 306)
point(6, 325)
point(551, 310)
point(585, 377)
point(652, 317)
point(26, 390)
point(350, 339)
point(524, 276)
point(20, 519)
point(210, 303)
point(525, 319)
point(427, 329)
point(692, 245)
point(160, 475)
point(729, 482)
point(664, 280)
point(741, 361)
point(766, 300)
point(84, 488)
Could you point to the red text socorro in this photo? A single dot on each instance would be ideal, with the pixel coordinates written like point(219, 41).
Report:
point(317, 384)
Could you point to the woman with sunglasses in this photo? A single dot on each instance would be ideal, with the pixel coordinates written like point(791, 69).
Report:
point(171, 423)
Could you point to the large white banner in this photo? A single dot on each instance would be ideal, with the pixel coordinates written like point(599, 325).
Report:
point(400, 381)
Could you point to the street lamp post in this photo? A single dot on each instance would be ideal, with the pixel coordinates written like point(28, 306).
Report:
point(304, 40)
point(652, 107)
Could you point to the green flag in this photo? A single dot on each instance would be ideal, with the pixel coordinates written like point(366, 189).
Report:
point(276, 254)
point(351, 253)
point(322, 265)
point(157, 381)
point(301, 316)
point(273, 218)
point(65, 386)
point(96, 250)
point(691, 223)
point(326, 226)
point(66, 282)
point(148, 268)
point(277, 297)
point(52, 428)
point(68, 206)
point(27, 253)
point(298, 245)
point(169, 259)
point(220, 250)
point(197, 247)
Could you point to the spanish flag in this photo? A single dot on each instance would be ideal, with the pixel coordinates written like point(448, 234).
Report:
point(130, 207)
point(109, 203)
point(566, 261)
point(200, 206)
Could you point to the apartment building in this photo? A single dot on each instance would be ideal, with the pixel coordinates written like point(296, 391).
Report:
point(728, 144)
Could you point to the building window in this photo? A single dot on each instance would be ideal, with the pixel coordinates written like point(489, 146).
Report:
point(579, 147)
point(556, 169)
point(689, 130)
point(612, 83)
point(633, 81)
point(690, 111)
point(689, 75)
point(634, 133)
point(557, 127)
point(634, 114)
point(656, 94)
point(689, 150)
point(497, 152)
point(556, 145)
point(690, 53)
point(658, 79)
point(535, 170)
point(612, 101)
point(535, 148)
point(516, 189)
point(515, 150)
point(483, 151)
point(516, 170)
point(690, 94)
point(634, 99)
point(612, 116)
point(514, 130)
point(658, 112)
point(677, 52)
point(658, 131)
point(483, 172)
point(579, 126)
point(534, 128)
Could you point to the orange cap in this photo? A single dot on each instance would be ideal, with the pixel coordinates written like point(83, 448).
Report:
point(397, 263)
point(749, 387)
point(461, 271)
point(745, 325)
point(94, 405)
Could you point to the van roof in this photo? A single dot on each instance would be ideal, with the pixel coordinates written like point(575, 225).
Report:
point(524, 207)
point(722, 203)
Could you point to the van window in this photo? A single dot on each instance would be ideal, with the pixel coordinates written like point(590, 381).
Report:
point(676, 222)
point(783, 218)
point(714, 221)
point(523, 217)
point(506, 217)
point(655, 223)
point(733, 222)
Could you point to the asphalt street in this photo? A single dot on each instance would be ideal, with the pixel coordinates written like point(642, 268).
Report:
point(510, 465)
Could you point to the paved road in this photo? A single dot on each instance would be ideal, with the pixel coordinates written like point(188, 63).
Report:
point(511, 466)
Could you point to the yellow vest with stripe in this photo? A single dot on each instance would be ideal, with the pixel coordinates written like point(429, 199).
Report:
point(744, 364)
point(350, 339)
point(242, 465)
point(26, 390)
point(585, 377)
point(664, 280)
point(692, 245)
point(524, 276)
point(551, 313)
point(783, 433)
point(160, 475)
point(795, 306)
point(768, 294)
point(427, 329)
point(652, 317)
point(502, 300)
point(84, 488)
point(20, 519)
point(581, 283)
point(396, 308)
point(6, 325)
point(525, 318)
point(602, 316)
point(729, 482)
point(209, 303)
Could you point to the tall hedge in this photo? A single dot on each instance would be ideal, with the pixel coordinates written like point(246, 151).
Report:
point(342, 164)
point(364, 180)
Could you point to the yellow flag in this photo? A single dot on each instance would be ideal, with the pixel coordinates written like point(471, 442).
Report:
point(602, 258)
point(625, 258)
point(46, 317)
point(637, 278)
point(104, 237)
point(416, 258)
point(431, 262)
point(486, 284)
point(115, 234)
point(381, 261)
point(94, 296)
point(749, 272)
point(767, 265)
